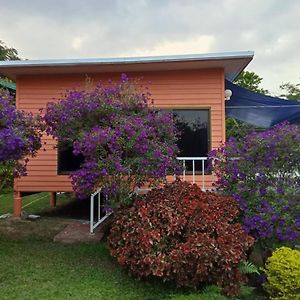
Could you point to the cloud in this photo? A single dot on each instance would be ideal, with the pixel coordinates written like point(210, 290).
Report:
point(109, 28)
point(197, 44)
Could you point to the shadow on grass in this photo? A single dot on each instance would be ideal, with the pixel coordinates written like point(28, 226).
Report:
point(73, 209)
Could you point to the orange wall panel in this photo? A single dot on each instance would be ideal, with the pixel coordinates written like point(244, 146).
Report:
point(169, 89)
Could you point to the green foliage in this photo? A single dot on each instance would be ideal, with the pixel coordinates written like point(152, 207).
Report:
point(247, 267)
point(290, 91)
point(248, 293)
point(250, 81)
point(283, 274)
point(210, 292)
point(6, 176)
point(237, 129)
point(7, 53)
point(179, 233)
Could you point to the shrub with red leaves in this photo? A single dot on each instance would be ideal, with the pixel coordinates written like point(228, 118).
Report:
point(182, 234)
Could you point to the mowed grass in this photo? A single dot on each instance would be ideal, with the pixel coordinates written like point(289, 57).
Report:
point(32, 266)
point(44, 270)
point(41, 269)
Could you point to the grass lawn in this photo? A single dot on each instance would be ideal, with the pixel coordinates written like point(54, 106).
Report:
point(35, 203)
point(34, 267)
point(44, 270)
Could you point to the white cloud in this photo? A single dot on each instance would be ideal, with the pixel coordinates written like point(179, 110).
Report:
point(77, 42)
point(197, 44)
point(108, 28)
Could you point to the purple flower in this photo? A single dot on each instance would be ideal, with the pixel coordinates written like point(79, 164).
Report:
point(259, 172)
point(20, 135)
point(104, 172)
point(117, 134)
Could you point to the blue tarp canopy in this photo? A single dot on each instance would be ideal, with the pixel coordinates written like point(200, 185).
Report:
point(260, 110)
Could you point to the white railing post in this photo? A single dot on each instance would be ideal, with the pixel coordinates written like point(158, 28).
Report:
point(99, 206)
point(193, 171)
point(203, 178)
point(212, 172)
point(92, 214)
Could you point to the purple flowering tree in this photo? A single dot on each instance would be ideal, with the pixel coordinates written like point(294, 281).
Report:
point(124, 142)
point(261, 171)
point(20, 137)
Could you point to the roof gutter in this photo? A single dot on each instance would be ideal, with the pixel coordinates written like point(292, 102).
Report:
point(127, 60)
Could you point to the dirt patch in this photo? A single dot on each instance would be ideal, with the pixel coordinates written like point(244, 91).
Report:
point(43, 228)
point(78, 233)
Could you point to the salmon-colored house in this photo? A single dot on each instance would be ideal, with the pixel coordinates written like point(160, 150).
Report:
point(190, 85)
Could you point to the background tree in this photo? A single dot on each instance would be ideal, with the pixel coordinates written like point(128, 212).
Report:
point(251, 81)
point(7, 53)
point(237, 129)
point(290, 91)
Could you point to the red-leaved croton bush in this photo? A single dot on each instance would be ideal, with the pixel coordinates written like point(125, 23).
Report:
point(182, 234)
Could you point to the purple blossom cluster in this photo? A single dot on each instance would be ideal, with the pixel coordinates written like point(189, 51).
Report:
point(124, 142)
point(261, 171)
point(20, 135)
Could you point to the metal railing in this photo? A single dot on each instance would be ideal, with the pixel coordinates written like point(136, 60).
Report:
point(193, 160)
point(102, 213)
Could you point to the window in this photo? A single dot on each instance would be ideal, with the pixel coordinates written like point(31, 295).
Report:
point(193, 125)
point(66, 160)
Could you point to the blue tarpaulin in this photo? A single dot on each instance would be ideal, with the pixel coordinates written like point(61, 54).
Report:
point(258, 109)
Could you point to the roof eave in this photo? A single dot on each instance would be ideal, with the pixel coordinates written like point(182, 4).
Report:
point(11, 68)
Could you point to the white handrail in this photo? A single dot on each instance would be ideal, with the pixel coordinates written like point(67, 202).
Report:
point(100, 217)
point(193, 160)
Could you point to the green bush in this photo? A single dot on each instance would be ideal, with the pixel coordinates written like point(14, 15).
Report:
point(283, 274)
point(6, 176)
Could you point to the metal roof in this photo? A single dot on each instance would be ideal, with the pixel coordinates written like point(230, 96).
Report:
point(232, 62)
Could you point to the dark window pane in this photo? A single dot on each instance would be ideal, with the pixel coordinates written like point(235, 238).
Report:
point(67, 161)
point(193, 126)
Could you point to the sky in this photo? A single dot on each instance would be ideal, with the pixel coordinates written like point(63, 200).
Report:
point(45, 29)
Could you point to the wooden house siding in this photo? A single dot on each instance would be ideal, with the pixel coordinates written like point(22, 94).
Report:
point(169, 89)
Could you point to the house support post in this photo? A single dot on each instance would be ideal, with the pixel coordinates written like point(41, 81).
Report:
point(53, 199)
point(17, 204)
